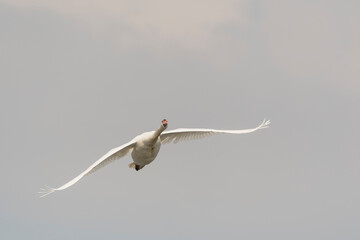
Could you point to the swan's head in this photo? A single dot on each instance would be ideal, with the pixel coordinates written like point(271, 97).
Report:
point(164, 123)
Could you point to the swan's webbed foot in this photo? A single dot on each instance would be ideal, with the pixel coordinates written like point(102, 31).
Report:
point(135, 166)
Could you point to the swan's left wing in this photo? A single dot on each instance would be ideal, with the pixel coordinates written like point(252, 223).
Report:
point(112, 155)
point(183, 134)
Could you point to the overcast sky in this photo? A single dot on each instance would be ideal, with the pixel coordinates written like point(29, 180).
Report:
point(78, 78)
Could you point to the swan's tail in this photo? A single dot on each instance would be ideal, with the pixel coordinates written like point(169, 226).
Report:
point(132, 165)
point(46, 191)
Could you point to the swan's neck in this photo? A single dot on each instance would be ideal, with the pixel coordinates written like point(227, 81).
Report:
point(157, 133)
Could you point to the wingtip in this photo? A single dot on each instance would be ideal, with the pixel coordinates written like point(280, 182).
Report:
point(46, 191)
point(265, 124)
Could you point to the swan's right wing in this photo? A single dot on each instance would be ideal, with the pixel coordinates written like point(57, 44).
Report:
point(183, 134)
point(111, 156)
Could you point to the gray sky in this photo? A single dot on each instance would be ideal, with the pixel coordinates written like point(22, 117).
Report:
point(78, 79)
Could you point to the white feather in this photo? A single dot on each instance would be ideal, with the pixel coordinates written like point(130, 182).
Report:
point(183, 134)
point(109, 157)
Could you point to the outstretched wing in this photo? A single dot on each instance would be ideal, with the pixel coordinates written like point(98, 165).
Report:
point(112, 155)
point(182, 134)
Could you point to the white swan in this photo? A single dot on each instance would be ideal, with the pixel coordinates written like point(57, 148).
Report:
point(146, 146)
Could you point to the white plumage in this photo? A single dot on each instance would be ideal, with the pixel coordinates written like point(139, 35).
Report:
point(146, 146)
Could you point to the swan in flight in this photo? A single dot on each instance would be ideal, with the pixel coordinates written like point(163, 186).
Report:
point(145, 147)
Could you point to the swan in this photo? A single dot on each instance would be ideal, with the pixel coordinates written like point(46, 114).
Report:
point(145, 147)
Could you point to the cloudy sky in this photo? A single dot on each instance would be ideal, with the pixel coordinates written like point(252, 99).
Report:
point(78, 78)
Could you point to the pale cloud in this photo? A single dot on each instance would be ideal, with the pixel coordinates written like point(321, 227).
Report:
point(313, 41)
point(160, 25)
point(305, 39)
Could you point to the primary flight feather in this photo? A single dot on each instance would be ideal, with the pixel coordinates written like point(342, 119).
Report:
point(145, 147)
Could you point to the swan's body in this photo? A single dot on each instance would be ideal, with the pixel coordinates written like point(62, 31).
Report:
point(146, 146)
point(145, 150)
